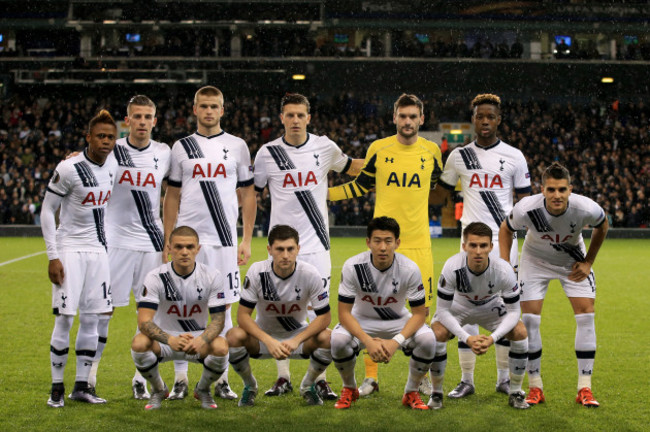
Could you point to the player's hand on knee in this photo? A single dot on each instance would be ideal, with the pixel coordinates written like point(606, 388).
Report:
point(580, 271)
point(55, 271)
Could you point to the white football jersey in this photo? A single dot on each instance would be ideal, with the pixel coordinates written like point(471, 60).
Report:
point(457, 280)
point(379, 297)
point(183, 303)
point(282, 303)
point(488, 177)
point(297, 180)
point(209, 170)
point(86, 189)
point(133, 214)
point(556, 240)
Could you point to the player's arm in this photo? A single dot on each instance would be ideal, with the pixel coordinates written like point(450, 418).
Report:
point(320, 323)
point(248, 212)
point(171, 204)
point(505, 240)
point(51, 204)
point(211, 332)
point(351, 324)
point(355, 167)
point(519, 194)
point(582, 269)
point(440, 194)
point(508, 322)
point(147, 327)
point(417, 320)
point(445, 317)
point(357, 187)
point(248, 324)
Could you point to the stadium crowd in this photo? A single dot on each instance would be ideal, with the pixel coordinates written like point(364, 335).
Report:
point(606, 146)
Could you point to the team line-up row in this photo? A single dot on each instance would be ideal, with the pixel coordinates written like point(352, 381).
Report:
point(110, 240)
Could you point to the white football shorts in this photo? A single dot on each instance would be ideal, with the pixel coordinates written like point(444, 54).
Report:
point(86, 284)
point(535, 275)
point(223, 259)
point(128, 270)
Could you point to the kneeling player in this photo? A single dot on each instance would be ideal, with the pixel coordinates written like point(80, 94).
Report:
point(372, 296)
point(173, 311)
point(281, 288)
point(487, 295)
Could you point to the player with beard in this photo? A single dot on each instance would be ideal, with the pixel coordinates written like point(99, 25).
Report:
point(403, 169)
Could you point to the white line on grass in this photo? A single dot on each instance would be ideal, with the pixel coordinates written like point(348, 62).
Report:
point(21, 258)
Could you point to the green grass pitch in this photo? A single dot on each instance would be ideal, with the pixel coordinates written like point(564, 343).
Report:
point(620, 381)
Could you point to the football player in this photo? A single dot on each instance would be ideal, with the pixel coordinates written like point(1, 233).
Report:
point(372, 311)
point(295, 168)
point(280, 288)
point(176, 301)
point(490, 172)
point(78, 263)
point(475, 288)
point(209, 169)
point(554, 249)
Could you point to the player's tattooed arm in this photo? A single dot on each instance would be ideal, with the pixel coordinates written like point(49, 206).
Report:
point(215, 327)
point(154, 332)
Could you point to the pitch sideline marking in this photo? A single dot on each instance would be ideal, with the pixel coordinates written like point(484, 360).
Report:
point(21, 258)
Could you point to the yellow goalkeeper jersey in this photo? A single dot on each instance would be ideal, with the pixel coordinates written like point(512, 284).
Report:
point(402, 176)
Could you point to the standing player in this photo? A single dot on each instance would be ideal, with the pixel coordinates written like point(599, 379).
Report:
point(175, 302)
point(81, 186)
point(554, 249)
point(295, 168)
point(481, 290)
point(207, 169)
point(133, 226)
point(490, 172)
point(281, 288)
point(372, 311)
point(403, 169)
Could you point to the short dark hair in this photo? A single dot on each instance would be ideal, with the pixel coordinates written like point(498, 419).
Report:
point(408, 100)
point(102, 116)
point(184, 231)
point(477, 228)
point(296, 99)
point(486, 98)
point(283, 232)
point(207, 91)
point(140, 100)
point(557, 172)
point(383, 223)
